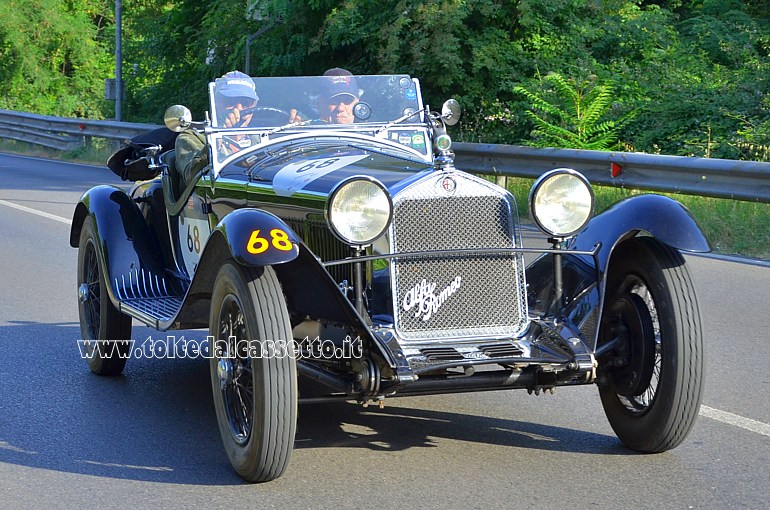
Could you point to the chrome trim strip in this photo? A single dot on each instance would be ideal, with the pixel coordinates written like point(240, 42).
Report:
point(460, 251)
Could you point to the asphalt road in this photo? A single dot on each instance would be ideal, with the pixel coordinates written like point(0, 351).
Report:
point(70, 439)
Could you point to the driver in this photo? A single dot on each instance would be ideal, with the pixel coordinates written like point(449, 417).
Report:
point(234, 93)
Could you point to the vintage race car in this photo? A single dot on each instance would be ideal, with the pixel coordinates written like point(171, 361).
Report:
point(353, 261)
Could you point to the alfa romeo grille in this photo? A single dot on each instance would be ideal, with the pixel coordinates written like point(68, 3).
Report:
point(456, 296)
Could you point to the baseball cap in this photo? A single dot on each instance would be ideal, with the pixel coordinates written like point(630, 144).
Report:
point(237, 84)
point(339, 82)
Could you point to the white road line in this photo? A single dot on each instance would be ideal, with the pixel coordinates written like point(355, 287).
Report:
point(735, 420)
point(35, 211)
point(127, 466)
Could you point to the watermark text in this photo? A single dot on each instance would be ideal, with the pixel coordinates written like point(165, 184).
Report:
point(172, 347)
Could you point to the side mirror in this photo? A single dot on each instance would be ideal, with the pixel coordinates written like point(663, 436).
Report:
point(177, 118)
point(450, 112)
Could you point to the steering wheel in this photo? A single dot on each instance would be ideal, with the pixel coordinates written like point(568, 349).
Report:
point(267, 116)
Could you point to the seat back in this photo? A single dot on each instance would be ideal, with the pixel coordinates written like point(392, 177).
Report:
point(169, 159)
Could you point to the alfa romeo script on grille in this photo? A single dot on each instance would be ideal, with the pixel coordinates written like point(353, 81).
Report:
point(423, 299)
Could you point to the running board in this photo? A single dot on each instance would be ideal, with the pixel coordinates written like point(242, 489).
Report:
point(148, 297)
point(152, 311)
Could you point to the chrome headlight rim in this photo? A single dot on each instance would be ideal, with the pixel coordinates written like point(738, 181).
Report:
point(333, 196)
point(537, 188)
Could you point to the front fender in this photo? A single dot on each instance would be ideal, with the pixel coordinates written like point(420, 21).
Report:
point(231, 239)
point(584, 277)
point(257, 238)
point(660, 216)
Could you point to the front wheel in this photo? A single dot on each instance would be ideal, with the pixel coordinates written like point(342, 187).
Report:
point(651, 369)
point(253, 371)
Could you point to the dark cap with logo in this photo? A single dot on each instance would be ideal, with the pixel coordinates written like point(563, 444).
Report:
point(339, 82)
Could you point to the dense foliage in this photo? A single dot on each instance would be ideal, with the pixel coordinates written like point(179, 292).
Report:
point(677, 76)
point(54, 56)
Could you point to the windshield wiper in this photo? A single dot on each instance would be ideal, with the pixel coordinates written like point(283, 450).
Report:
point(286, 126)
point(392, 152)
point(398, 120)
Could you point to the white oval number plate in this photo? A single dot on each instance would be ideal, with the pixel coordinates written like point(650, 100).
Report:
point(193, 234)
point(295, 176)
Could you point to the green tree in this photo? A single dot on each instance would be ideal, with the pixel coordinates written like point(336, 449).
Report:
point(165, 57)
point(697, 93)
point(54, 57)
point(573, 114)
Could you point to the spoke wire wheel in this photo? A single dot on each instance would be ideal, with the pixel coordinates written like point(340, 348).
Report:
point(91, 302)
point(254, 387)
point(634, 320)
point(652, 392)
point(105, 331)
point(234, 370)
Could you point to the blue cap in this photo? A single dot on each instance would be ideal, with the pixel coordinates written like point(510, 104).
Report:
point(237, 84)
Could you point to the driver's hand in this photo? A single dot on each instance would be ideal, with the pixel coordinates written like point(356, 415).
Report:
point(294, 117)
point(234, 118)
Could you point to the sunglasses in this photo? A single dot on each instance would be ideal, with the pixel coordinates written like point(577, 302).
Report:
point(346, 100)
point(243, 101)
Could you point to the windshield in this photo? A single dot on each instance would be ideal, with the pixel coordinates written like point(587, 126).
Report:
point(320, 100)
point(382, 110)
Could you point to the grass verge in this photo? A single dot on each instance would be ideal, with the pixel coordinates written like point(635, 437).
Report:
point(95, 152)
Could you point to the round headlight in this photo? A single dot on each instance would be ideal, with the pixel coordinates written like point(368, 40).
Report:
point(359, 210)
point(561, 202)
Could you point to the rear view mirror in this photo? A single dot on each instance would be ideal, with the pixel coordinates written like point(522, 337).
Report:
point(177, 118)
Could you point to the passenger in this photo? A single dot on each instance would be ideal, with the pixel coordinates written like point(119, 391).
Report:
point(340, 95)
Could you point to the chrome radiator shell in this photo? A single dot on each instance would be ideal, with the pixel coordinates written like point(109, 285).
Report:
point(457, 297)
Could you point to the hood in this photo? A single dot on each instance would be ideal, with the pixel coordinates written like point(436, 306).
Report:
point(316, 165)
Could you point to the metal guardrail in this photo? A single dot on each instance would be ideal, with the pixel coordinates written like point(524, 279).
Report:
point(708, 177)
point(63, 134)
point(720, 178)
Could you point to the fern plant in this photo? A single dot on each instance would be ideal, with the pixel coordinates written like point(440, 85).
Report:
point(576, 117)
